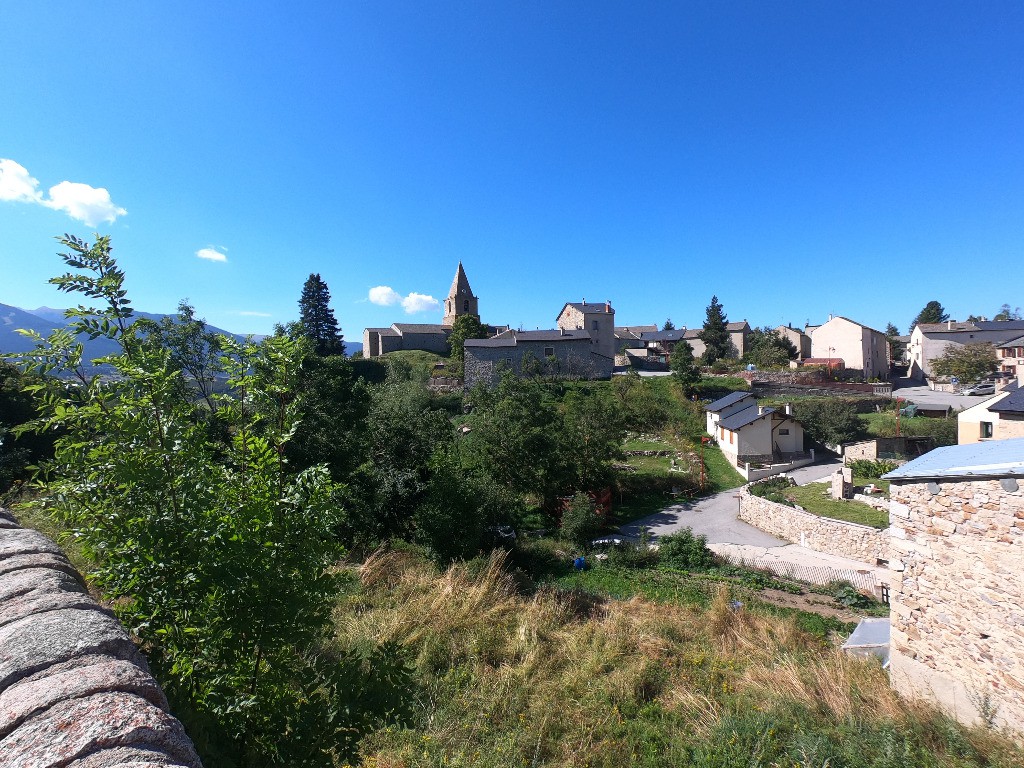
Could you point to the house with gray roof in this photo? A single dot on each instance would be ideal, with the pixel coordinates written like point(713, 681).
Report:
point(748, 433)
point(547, 353)
point(1000, 417)
point(930, 340)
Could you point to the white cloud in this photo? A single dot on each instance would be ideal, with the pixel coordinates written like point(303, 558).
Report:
point(16, 184)
point(90, 205)
point(211, 254)
point(246, 313)
point(384, 296)
point(419, 302)
point(87, 204)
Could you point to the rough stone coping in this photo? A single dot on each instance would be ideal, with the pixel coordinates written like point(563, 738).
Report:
point(74, 689)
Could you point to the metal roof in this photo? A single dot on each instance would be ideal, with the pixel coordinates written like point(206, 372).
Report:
point(724, 402)
point(747, 416)
point(993, 458)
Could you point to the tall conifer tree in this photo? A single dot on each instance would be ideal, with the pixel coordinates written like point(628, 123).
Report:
point(715, 334)
point(318, 318)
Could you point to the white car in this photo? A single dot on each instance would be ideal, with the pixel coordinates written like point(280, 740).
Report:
point(980, 389)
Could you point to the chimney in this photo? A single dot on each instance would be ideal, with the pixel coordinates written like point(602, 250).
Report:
point(561, 331)
point(949, 325)
point(607, 307)
point(789, 409)
point(830, 317)
point(584, 301)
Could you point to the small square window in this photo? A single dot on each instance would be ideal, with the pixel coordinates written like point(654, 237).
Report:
point(986, 429)
point(783, 431)
point(549, 351)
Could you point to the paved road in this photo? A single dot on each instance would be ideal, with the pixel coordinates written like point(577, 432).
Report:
point(924, 396)
point(716, 516)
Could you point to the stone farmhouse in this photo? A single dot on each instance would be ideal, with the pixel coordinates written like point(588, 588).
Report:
point(860, 348)
point(957, 547)
point(431, 337)
point(930, 340)
point(581, 346)
point(750, 433)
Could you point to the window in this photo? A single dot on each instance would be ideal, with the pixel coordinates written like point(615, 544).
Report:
point(465, 306)
point(986, 429)
point(549, 351)
point(783, 431)
point(596, 325)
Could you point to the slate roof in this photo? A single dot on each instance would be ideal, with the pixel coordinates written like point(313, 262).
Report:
point(1000, 325)
point(634, 330)
point(590, 308)
point(693, 333)
point(724, 402)
point(746, 416)
point(383, 331)
point(1017, 342)
point(1014, 403)
point(511, 338)
point(737, 326)
point(404, 328)
point(993, 458)
point(664, 335)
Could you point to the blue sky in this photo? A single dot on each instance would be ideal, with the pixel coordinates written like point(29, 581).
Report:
point(796, 159)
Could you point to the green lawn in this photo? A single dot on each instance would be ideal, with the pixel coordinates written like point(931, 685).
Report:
point(815, 499)
point(860, 480)
point(646, 445)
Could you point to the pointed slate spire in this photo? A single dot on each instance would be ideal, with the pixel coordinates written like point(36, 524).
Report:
point(461, 300)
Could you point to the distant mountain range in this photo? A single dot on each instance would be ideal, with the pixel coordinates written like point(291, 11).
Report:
point(45, 319)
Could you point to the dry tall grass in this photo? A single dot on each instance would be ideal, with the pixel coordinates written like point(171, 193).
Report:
point(561, 679)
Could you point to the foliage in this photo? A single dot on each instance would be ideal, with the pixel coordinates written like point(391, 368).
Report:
point(684, 367)
point(669, 325)
point(214, 554)
point(580, 521)
point(932, 313)
point(317, 318)
point(846, 594)
point(767, 348)
point(465, 327)
point(773, 489)
point(829, 421)
point(816, 498)
point(194, 350)
point(1006, 313)
point(685, 551)
point(896, 347)
point(19, 450)
point(967, 362)
point(715, 334)
point(871, 469)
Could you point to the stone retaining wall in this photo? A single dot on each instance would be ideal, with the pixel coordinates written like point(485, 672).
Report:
point(74, 689)
point(822, 534)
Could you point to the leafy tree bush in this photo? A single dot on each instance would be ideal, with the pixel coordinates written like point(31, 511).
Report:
point(871, 469)
point(829, 421)
point(767, 348)
point(465, 327)
point(773, 489)
point(580, 522)
point(685, 551)
point(968, 362)
point(684, 367)
point(214, 554)
point(19, 449)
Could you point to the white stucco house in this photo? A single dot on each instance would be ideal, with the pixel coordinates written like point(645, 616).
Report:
point(859, 347)
point(998, 418)
point(750, 433)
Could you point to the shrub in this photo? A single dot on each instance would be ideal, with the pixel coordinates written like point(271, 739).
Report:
point(773, 489)
point(872, 469)
point(686, 551)
point(580, 523)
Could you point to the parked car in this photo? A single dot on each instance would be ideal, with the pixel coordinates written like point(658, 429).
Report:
point(980, 389)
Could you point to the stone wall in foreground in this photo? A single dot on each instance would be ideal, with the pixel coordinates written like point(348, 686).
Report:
point(957, 615)
point(74, 689)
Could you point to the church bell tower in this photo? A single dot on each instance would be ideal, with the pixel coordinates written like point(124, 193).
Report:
point(461, 300)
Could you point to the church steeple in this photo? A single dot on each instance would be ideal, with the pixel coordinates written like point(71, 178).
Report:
point(461, 300)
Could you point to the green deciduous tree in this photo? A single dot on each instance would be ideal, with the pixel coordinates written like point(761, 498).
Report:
point(767, 348)
point(684, 367)
point(1006, 313)
point(215, 554)
point(317, 318)
point(829, 421)
point(465, 327)
point(715, 335)
point(580, 522)
point(968, 362)
point(932, 313)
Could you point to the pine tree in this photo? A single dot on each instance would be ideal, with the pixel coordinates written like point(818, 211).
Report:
point(933, 312)
point(317, 318)
point(715, 335)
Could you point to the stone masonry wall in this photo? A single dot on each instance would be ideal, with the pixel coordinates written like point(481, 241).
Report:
point(822, 534)
point(74, 689)
point(957, 615)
